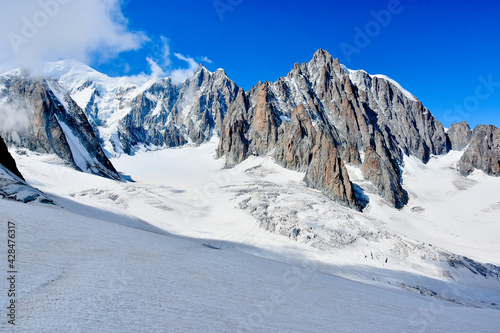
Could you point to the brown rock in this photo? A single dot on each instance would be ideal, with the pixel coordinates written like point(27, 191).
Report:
point(380, 169)
point(328, 173)
point(264, 126)
point(233, 143)
point(297, 139)
point(483, 152)
point(460, 135)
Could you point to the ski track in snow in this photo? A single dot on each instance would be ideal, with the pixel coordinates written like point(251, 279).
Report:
point(273, 248)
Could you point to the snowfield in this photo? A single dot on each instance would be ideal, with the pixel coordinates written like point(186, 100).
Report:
point(191, 246)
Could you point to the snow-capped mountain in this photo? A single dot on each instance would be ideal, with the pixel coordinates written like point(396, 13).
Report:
point(133, 112)
point(327, 168)
point(317, 119)
point(38, 114)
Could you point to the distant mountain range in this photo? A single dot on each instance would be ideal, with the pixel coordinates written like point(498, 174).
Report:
point(317, 119)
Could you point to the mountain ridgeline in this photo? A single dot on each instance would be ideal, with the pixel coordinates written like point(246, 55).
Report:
point(317, 119)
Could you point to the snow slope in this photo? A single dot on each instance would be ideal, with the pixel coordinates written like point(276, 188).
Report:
point(353, 75)
point(14, 188)
point(446, 209)
point(79, 274)
point(263, 210)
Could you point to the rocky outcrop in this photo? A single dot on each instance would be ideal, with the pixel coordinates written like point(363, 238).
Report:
point(483, 152)
point(380, 169)
point(402, 119)
point(264, 129)
point(358, 113)
point(7, 160)
point(459, 135)
point(303, 147)
point(298, 138)
point(12, 184)
point(327, 173)
point(318, 117)
point(165, 114)
point(295, 143)
point(234, 144)
point(54, 124)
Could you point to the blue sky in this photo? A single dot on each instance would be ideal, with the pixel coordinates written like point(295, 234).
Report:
point(445, 52)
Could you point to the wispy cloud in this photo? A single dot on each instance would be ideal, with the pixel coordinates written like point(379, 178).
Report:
point(206, 60)
point(161, 64)
point(156, 70)
point(182, 74)
point(15, 119)
point(34, 31)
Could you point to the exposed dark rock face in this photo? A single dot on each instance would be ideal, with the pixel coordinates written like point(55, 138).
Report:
point(140, 125)
point(296, 145)
point(385, 175)
point(298, 138)
point(264, 129)
point(354, 111)
point(483, 152)
point(316, 119)
point(12, 184)
point(327, 173)
point(303, 147)
point(235, 144)
point(170, 115)
point(460, 135)
point(54, 126)
point(7, 160)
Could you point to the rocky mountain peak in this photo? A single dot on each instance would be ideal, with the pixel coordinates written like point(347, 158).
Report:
point(220, 72)
point(460, 135)
point(354, 112)
point(316, 119)
point(483, 152)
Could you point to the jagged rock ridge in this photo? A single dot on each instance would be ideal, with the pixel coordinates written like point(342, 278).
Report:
point(483, 152)
point(53, 124)
point(358, 114)
point(316, 119)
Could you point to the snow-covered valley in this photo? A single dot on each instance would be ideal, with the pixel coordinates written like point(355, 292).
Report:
point(187, 245)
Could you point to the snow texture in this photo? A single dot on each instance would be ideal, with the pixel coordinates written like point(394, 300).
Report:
point(191, 246)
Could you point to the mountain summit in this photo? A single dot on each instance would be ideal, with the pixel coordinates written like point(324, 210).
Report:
point(319, 119)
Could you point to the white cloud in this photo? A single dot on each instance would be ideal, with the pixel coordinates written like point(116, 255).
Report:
point(182, 74)
point(166, 51)
point(33, 31)
point(15, 119)
point(161, 65)
point(126, 68)
point(206, 60)
point(156, 70)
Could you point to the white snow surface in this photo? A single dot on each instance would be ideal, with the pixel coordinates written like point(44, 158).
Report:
point(191, 246)
point(352, 75)
point(112, 94)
